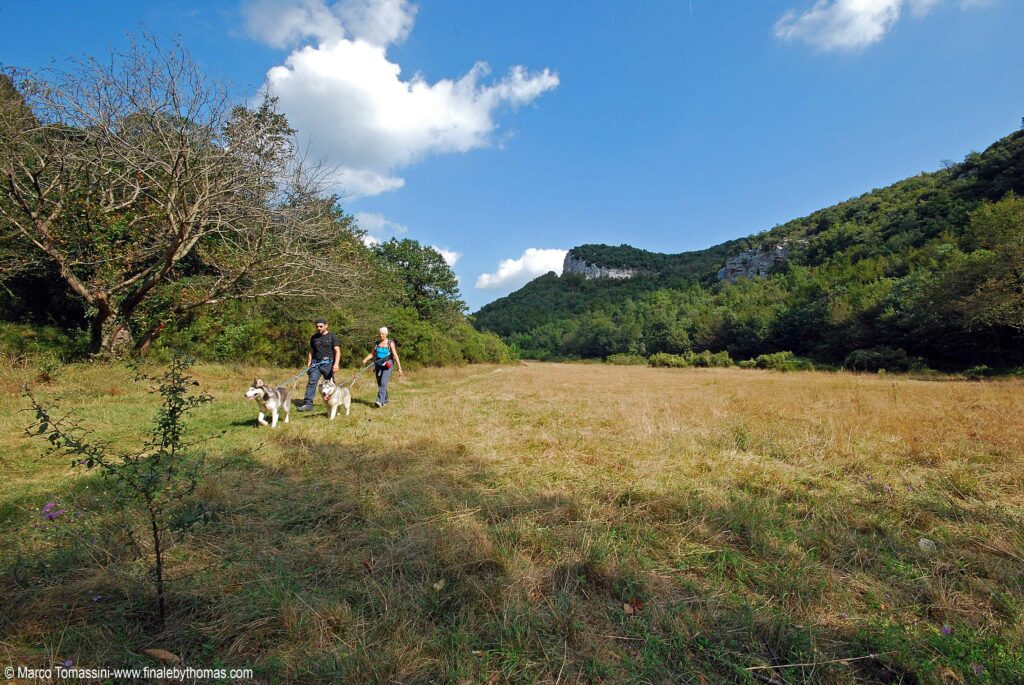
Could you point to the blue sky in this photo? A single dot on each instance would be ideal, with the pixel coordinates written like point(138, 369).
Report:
point(670, 126)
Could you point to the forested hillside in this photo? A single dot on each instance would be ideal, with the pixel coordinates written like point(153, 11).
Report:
point(699, 264)
point(929, 270)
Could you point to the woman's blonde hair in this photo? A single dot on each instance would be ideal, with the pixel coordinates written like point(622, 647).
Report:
point(384, 330)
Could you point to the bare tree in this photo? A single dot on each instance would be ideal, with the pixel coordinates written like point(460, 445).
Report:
point(154, 193)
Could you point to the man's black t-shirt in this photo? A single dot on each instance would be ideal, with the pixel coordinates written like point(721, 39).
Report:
point(322, 345)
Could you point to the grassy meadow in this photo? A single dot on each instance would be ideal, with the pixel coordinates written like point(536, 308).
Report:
point(543, 523)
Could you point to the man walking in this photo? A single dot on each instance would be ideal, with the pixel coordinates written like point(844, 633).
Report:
point(321, 360)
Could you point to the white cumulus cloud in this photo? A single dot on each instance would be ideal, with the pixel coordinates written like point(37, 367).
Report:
point(281, 25)
point(450, 256)
point(351, 101)
point(838, 25)
point(378, 227)
point(513, 273)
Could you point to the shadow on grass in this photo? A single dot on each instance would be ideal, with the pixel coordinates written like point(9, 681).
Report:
point(336, 563)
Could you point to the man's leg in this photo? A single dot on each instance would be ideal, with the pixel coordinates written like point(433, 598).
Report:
point(314, 378)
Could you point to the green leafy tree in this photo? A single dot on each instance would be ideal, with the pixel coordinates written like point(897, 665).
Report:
point(996, 276)
point(428, 283)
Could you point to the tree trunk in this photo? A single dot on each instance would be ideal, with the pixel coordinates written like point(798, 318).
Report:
point(96, 325)
point(143, 343)
point(108, 335)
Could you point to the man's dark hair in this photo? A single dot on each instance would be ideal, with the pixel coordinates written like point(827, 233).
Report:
point(323, 321)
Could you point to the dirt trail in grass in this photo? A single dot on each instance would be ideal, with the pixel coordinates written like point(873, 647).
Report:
point(552, 522)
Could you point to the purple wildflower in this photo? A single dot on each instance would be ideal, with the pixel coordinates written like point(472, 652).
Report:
point(845, 616)
point(946, 630)
point(68, 663)
point(978, 669)
point(97, 598)
point(51, 512)
point(887, 488)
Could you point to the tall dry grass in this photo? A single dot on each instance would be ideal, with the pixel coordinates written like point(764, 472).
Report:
point(546, 522)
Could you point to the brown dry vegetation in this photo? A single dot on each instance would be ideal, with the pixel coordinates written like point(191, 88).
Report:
point(547, 522)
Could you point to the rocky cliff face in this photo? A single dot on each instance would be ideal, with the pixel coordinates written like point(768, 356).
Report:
point(746, 264)
point(753, 263)
point(575, 265)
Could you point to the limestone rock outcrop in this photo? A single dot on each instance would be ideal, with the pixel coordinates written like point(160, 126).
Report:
point(751, 263)
point(575, 265)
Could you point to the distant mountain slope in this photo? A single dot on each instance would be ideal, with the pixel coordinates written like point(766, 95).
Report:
point(550, 297)
point(699, 264)
point(857, 275)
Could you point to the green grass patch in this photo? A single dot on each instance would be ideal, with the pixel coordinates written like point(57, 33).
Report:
point(496, 524)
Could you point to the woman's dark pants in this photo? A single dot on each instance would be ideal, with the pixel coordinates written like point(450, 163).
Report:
point(383, 376)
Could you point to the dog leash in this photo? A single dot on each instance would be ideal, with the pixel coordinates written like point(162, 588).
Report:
point(352, 381)
point(348, 384)
point(292, 379)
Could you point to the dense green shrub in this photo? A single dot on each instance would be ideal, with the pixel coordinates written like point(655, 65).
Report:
point(976, 373)
point(706, 359)
point(275, 334)
point(664, 359)
point(778, 361)
point(479, 347)
point(876, 358)
point(627, 359)
point(267, 334)
point(21, 339)
point(710, 359)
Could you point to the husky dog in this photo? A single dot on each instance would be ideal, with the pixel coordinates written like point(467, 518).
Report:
point(336, 396)
point(271, 400)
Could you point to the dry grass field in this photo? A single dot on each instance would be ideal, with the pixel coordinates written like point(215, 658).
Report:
point(545, 523)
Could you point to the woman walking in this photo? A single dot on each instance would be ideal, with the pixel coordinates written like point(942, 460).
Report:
point(384, 355)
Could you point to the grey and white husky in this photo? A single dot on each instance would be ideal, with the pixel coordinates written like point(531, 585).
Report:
point(271, 400)
point(336, 396)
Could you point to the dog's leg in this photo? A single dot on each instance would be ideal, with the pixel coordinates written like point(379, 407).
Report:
point(287, 410)
point(348, 404)
point(273, 417)
point(334, 410)
point(261, 419)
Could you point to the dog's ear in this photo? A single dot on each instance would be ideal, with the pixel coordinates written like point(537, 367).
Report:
point(258, 383)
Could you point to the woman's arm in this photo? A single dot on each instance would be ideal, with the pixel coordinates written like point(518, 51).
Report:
point(394, 353)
